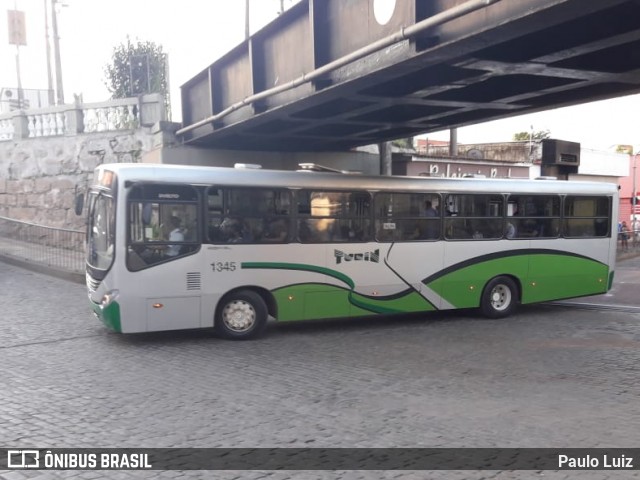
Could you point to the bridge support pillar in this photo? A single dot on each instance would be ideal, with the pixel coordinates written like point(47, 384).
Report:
point(384, 150)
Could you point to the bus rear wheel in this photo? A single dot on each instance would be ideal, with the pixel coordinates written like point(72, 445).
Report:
point(499, 298)
point(242, 315)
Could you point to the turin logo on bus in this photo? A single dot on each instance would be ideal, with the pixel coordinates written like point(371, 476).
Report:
point(357, 257)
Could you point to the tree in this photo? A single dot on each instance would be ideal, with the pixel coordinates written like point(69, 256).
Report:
point(403, 142)
point(539, 135)
point(137, 68)
point(628, 149)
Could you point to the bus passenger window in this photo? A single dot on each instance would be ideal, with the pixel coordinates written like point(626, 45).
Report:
point(326, 217)
point(533, 216)
point(248, 215)
point(586, 216)
point(407, 217)
point(474, 216)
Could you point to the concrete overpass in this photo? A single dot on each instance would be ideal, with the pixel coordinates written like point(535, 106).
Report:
point(335, 74)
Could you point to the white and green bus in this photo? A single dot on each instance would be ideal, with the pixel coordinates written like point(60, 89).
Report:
point(177, 247)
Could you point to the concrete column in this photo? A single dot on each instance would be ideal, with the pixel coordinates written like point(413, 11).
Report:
point(385, 158)
point(74, 120)
point(164, 134)
point(453, 142)
point(152, 109)
point(20, 126)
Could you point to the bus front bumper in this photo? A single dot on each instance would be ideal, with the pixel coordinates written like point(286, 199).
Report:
point(109, 314)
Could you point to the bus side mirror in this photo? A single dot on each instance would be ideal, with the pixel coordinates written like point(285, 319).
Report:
point(79, 203)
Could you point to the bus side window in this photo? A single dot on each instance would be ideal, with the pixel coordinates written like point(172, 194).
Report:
point(331, 216)
point(162, 224)
point(474, 216)
point(406, 217)
point(586, 216)
point(248, 215)
point(536, 216)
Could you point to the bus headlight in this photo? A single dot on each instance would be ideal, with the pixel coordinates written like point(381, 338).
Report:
point(108, 298)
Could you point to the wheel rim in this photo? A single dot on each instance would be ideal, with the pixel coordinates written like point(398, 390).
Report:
point(239, 316)
point(500, 297)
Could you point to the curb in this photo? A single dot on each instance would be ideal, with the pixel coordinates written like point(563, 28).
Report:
point(74, 277)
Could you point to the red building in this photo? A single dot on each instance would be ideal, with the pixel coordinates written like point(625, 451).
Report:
point(627, 187)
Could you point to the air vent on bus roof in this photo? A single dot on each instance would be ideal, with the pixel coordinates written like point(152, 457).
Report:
point(314, 167)
point(251, 166)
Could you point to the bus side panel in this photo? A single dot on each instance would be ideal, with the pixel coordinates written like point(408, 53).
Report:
point(469, 266)
point(385, 277)
point(165, 296)
point(464, 279)
point(412, 262)
point(579, 271)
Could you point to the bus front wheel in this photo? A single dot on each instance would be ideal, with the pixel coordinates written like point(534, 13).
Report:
point(499, 298)
point(242, 315)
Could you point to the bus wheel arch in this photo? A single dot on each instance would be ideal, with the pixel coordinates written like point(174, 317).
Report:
point(500, 296)
point(242, 313)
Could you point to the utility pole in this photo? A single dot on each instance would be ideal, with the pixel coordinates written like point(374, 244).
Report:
point(50, 94)
point(17, 37)
point(56, 45)
point(246, 20)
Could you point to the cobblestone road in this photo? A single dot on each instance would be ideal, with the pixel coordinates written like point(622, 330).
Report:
point(548, 377)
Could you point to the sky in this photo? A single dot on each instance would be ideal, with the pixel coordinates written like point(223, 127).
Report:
point(195, 33)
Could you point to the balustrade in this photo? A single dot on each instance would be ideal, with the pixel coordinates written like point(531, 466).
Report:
point(6, 129)
point(114, 115)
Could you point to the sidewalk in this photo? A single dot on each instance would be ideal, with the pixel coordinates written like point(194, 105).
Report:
point(57, 262)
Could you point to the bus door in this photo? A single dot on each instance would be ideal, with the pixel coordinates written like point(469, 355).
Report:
point(162, 238)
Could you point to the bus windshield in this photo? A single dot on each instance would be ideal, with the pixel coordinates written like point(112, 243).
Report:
point(100, 231)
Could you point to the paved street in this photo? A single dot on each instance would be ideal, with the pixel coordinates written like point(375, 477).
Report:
point(548, 377)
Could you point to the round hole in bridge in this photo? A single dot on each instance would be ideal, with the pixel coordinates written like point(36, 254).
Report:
point(383, 10)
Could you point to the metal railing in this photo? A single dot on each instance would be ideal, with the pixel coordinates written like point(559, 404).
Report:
point(58, 248)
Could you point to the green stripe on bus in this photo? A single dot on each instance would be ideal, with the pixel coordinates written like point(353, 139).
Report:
point(412, 301)
point(300, 267)
point(308, 301)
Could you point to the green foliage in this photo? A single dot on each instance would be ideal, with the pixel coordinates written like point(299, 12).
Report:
point(403, 142)
point(539, 135)
point(628, 149)
point(137, 68)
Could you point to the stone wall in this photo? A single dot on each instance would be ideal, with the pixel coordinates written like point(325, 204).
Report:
point(48, 155)
point(40, 176)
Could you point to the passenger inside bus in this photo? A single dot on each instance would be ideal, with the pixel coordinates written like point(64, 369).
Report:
point(175, 235)
point(234, 231)
point(277, 231)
